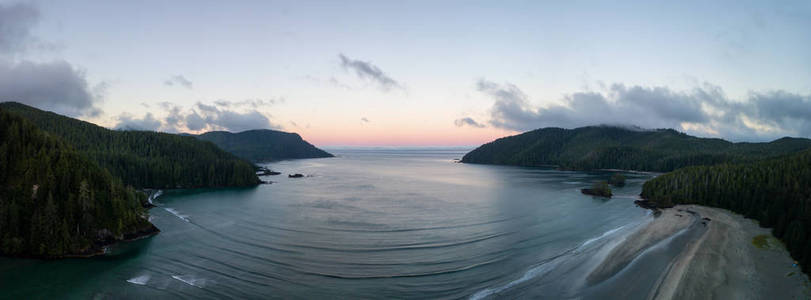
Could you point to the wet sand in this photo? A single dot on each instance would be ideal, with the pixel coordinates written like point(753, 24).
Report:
point(725, 264)
point(670, 222)
point(722, 263)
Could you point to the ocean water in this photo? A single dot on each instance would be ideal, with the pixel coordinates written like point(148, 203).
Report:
point(370, 223)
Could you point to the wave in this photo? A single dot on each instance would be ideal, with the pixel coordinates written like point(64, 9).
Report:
point(605, 234)
point(191, 280)
point(177, 214)
point(541, 269)
point(440, 272)
point(140, 280)
point(154, 196)
point(400, 247)
point(422, 228)
point(544, 267)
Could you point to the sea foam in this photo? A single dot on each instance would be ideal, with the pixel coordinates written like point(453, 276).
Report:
point(140, 280)
point(543, 268)
point(191, 280)
point(177, 214)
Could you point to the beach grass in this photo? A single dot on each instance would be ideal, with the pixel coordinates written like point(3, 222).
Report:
point(761, 241)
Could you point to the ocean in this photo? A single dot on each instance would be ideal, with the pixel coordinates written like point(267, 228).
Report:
point(369, 223)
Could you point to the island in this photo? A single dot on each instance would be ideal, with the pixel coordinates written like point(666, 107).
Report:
point(599, 189)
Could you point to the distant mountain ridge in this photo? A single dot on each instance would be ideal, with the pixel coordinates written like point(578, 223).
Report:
point(611, 147)
point(263, 145)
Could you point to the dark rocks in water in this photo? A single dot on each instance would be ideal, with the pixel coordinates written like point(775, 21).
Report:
point(262, 171)
point(596, 192)
point(600, 189)
point(297, 175)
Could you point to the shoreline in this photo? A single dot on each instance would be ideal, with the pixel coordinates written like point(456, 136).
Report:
point(665, 224)
point(722, 262)
point(99, 247)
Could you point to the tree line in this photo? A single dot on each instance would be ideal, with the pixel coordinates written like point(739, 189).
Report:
point(776, 192)
point(53, 200)
point(608, 147)
point(145, 159)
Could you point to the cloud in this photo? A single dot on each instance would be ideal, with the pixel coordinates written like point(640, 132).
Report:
point(367, 70)
point(467, 121)
point(252, 103)
point(332, 81)
point(704, 110)
point(16, 21)
point(179, 80)
point(174, 118)
point(195, 122)
point(235, 121)
point(199, 117)
point(55, 86)
point(147, 123)
point(212, 117)
point(364, 120)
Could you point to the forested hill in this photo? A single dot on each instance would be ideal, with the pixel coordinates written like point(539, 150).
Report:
point(264, 145)
point(776, 192)
point(145, 159)
point(608, 147)
point(56, 202)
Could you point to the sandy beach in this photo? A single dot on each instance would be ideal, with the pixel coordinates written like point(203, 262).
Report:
point(722, 263)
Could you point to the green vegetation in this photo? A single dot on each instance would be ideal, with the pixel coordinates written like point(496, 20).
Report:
point(605, 147)
point(600, 189)
point(761, 241)
point(54, 201)
point(617, 179)
point(264, 145)
point(145, 159)
point(776, 192)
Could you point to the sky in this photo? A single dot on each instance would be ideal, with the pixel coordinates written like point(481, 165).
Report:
point(414, 73)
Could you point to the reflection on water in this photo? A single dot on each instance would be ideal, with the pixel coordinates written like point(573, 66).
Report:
point(366, 224)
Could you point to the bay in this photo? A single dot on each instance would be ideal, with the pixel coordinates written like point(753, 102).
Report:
point(369, 223)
